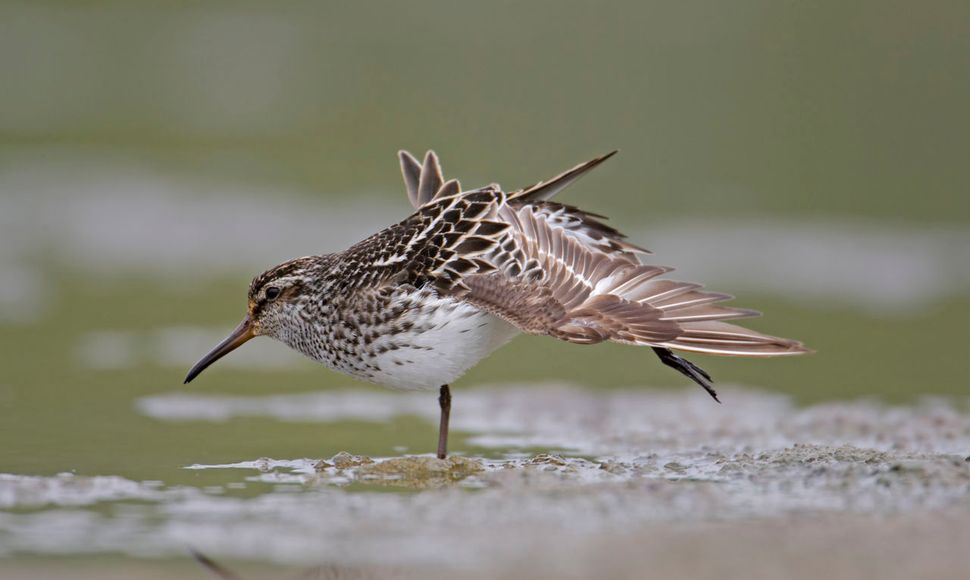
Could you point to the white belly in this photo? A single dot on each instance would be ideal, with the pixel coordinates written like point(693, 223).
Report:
point(455, 338)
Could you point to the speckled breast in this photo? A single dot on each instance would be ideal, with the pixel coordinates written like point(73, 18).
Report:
point(405, 340)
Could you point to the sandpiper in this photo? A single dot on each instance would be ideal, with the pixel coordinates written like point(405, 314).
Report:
point(417, 304)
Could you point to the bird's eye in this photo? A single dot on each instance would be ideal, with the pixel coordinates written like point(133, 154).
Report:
point(272, 293)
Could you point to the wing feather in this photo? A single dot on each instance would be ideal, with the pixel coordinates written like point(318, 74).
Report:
point(425, 181)
point(430, 180)
point(545, 190)
point(554, 269)
point(600, 297)
point(411, 170)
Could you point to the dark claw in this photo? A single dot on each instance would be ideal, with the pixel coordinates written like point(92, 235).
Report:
point(696, 373)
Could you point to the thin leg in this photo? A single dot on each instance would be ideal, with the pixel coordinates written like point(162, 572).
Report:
point(444, 400)
point(696, 373)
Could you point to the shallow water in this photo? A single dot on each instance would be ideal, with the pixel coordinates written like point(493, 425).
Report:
point(809, 160)
point(621, 463)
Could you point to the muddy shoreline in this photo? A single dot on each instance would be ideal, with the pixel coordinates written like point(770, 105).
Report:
point(626, 482)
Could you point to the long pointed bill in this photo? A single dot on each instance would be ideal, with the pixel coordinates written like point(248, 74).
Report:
point(242, 333)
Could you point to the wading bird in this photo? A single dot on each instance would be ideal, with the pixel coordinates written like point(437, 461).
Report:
point(417, 304)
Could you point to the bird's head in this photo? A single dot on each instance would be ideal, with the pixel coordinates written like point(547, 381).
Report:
point(276, 298)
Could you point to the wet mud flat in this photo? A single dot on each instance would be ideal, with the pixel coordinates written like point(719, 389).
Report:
point(565, 483)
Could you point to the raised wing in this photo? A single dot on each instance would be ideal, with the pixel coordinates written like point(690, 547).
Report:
point(547, 282)
point(554, 269)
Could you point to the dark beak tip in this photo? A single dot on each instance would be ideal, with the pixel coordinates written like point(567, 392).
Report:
point(241, 334)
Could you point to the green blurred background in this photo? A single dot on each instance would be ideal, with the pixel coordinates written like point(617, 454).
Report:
point(810, 157)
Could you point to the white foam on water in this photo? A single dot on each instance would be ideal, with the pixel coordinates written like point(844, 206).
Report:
point(67, 489)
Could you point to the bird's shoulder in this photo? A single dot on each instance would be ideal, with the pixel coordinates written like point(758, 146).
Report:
point(435, 245)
